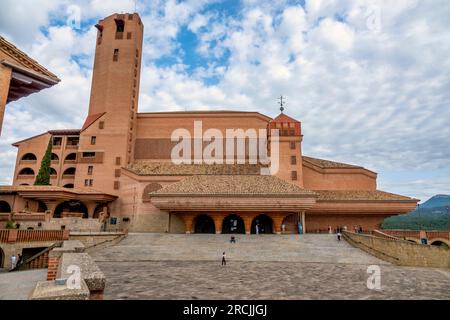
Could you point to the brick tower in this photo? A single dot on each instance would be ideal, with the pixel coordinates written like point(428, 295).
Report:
point(107, 137)
point(290, 148)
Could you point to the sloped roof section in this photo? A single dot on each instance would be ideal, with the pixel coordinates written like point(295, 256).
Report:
point(359, 195)
point(233, 185)
point(327, 164)
point(146, 168)
point(23, 59)
point(91, 119)
point(284, 118)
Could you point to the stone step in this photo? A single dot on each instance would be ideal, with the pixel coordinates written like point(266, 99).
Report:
point(201, 247)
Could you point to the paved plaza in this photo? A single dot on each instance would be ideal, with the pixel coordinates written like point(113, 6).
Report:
point(164, 266)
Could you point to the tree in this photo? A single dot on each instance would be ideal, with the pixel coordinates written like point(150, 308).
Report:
point(43, 177)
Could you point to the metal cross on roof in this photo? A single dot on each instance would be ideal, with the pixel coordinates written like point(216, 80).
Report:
point(282, 103)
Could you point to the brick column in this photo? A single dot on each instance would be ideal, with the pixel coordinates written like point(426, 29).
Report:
point(188, 221)
point(91, 208)
point(53, 264)
point(5, 79)
point(248, 219)
point(277, 222)
point(304, 222)
point(218, 219)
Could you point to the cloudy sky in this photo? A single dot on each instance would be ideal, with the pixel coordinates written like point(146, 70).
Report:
point(370, 80)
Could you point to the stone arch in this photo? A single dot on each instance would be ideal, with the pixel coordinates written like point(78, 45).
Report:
point(71, 206)
point(29, 157)
point(291, 223)
point(24, 184)
point(26, 172)
point(54, 157)
point(443, 243)
point(204, 224)
point(265, 224)
point(98, 210)
point(53, 172)
point(413, 240)
point(69, 186)
point(70, 171)
point(233, 224)
point(152, 187)
point(5, 207)
point(71, 157)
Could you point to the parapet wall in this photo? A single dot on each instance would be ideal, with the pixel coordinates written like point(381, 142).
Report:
point(401, 252)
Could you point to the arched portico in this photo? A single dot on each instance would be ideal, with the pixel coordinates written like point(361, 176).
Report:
point(72, 207)
point(262, 224)
point(233, 224)
point(204, 224)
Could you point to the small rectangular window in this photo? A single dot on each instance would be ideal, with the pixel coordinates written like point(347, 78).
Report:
point(294, 175)
point(86, 182)
point(128, 35)
point(90, 170)
point(293, 147)
point(118, 160)
point(116, 55)
point(292, 132)
point(93, 140)
point(116, 185)
point(91, 182)
point(101, 125)
point(57, 141)
point(293, 160)
point(117, 173)
point(130, 17)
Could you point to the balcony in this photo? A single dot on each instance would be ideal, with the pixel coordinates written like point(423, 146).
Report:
point(68, 176)
point(25, 177)
point(27, 162)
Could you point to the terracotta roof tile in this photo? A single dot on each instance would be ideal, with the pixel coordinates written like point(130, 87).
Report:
point(327, 163)
point(168, 168)
point(233, 185)
point(359, 195)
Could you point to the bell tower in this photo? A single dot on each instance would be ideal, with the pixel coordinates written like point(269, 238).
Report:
point(107, 137)
point(290, 148)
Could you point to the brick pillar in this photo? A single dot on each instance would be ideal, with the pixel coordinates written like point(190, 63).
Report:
point(304, 222)
point(188, 221)
point(248, 219)
point(5, 79)
point(91, 208)
point(53, 263)
point(277, 222)
point(218, 219)
point(66, 234)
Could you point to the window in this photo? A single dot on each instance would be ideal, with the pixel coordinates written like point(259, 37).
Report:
point(101, 125)
point(73, 141)
point(130, 17)
point(137, 53)
point(91, 182)
point(292, 132)
point(88, 182)
point(88, 154)
point(285, 132)
point(293, 145)
point(120, 25)
point(116, 185)
point(93, 140)
point(90, 170)
point(57, 141)
point(118, 160)
point(293, 160)
point(116, 55)
point(128, 35)
point(117, 173)
point(294, 175)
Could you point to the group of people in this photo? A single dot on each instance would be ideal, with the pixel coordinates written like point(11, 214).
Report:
point(339, 230)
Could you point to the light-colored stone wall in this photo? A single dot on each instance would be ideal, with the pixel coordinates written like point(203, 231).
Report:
point(401, 252)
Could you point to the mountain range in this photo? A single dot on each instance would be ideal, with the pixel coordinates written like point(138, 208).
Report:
point(434, 214)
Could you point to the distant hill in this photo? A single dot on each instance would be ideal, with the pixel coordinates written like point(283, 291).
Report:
point(433, 214)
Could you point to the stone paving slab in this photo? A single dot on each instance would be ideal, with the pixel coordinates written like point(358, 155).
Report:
point(167, 266)
point(19, 285)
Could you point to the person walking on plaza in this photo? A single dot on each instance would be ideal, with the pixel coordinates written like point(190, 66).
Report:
point(13, 261)
point(257, 228)
point(339, 236)
point(224, 260)
point(19, 260)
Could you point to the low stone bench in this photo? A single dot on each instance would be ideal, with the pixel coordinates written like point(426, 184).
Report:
point(90, 272)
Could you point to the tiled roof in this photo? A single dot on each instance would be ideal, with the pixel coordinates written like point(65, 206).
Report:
point(13, 189)
point(284, 118)
point(327, 163)
point(65, 132)
point(358, 195)
point(168, 168)
point(233, 185)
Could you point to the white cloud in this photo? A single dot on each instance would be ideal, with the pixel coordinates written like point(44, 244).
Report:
point(378, 98)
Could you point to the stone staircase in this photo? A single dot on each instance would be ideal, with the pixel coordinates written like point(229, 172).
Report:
point(202, 247)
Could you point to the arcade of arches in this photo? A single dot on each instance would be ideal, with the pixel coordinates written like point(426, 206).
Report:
point(242, 223)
